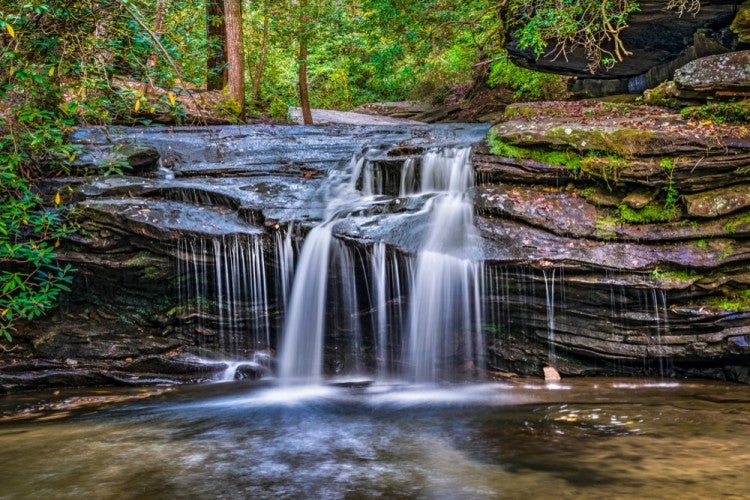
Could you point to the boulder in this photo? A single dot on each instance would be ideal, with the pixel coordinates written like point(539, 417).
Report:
point(741, 24)
point(128, 158)
point(718, 202)
point(721, 76)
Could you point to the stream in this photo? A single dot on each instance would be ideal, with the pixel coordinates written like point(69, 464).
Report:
point(585, 438)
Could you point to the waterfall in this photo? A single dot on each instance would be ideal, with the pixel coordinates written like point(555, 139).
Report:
point(440, 323)
point(549, 295)
point(302, 346)
point(444, 319)
point(224, 294)
point(301, 355)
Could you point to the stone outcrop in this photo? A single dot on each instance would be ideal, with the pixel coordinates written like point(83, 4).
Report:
point(660, 42)
point(657, 203)
point(615, 239)
point(724, 76)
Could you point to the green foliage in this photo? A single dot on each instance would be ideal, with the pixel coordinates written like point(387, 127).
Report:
point(229, 109)
point(35, 118)
point(732, 301)
point(672, 195)
point(278, 110)
point(527, 85)
point(722, 112)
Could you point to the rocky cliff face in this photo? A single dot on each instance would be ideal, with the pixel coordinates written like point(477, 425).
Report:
point(613, 240)
point(646, 217)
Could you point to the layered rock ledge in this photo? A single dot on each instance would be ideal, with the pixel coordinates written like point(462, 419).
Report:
point(644, 213)
point(613, 240)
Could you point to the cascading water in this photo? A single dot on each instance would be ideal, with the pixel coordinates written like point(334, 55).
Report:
point(224, 293)
point(442, 320)
point(301, 357)
point(445, 306)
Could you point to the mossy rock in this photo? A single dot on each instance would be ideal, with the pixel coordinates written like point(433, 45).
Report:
point(718, 202)
point(665, 94)
point(741, 24)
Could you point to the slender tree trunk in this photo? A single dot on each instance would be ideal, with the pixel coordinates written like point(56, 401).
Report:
point(261, 62)
point(304, 99)
point(216, 38)
point(235, 52)
point(161, 7)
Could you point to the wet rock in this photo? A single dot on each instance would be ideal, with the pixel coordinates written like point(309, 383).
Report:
point(250, 371)
point(128, 158)
point(51, 378)
point(172, 366)
point(71, 342)
point(639, 198)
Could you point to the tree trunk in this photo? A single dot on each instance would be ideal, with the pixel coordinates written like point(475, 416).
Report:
point(304, 99)
point(216, 38)
point(235, 53)
point(161, 7)
point(261, 62)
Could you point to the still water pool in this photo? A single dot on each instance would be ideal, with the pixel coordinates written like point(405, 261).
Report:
point(592, 438)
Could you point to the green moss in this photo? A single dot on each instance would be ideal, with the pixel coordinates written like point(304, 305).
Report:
point(722, 112)
point(154, 272)
point(728, 251)
point(565, 158)
point(701, 243)
point(733, 301)
point(731, 226)
point(604, 166)
point(676, 275)
point(589, 192)
point(605, 228)
point(650, 214)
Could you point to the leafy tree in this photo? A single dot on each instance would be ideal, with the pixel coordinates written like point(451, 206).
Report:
point(558, 27)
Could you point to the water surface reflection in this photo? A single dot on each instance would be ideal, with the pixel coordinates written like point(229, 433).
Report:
point(590, 438)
